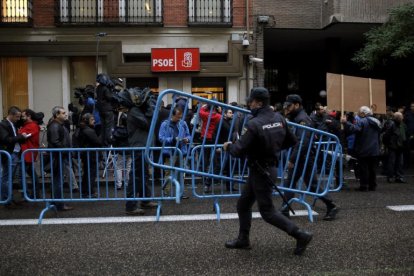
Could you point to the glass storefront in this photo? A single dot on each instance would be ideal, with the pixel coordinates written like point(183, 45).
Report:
point(209, 88)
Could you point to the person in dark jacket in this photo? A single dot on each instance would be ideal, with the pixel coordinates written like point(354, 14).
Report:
point(261, 143)
point(320, 118)
point(367, 146)
point(395, 140)
point(89, 139)
point(222, 162)
point(296, 114)
point(104, 98)
point(409, 121)
point(10, 141)
point(58, 137)
point(138, 124)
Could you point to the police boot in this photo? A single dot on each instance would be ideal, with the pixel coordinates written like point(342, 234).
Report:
point(242, 242)
point(303, 238)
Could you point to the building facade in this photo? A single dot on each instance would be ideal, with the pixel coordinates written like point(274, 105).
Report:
point(301, 40)
point(50, 47)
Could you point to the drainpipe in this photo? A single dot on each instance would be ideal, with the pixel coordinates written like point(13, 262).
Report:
point(246, 58)
point(247, 18)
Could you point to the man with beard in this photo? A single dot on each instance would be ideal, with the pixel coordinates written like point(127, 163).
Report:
point(296, 114)
point(31, 121)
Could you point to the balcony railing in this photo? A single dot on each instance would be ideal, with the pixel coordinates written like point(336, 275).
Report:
point(86, 12)
point(16, 12)
point(210, 12)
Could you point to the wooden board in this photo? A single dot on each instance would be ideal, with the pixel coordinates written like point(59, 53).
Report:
point(356, 93)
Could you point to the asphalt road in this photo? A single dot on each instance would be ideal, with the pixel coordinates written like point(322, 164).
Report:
point(366, 239)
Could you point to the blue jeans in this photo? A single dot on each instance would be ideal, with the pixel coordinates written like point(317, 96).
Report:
point(15, 158)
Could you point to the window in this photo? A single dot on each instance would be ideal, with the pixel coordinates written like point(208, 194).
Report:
point(140, 11)
point(110, 11)
point(209, 88)
point(15, 11)
point(84, 11)
point(14, 82)
point(210, 11)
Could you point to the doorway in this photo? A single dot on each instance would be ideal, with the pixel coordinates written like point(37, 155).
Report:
point(14, 82)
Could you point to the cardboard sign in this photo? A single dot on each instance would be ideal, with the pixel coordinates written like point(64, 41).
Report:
point(349, 93)
point(175, 59)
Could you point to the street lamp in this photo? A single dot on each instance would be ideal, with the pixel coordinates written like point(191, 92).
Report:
point(98, 38)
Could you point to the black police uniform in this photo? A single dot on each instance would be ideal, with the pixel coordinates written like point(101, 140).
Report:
point(300, 117)
point(261, 142)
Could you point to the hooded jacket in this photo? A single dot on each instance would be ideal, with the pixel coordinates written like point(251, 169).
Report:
point(104, 98)
point(138, 125)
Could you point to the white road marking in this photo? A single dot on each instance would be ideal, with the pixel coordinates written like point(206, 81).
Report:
point(400, 208)
point(94, 220)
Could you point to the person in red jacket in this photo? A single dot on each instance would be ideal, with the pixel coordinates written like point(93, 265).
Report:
point(210, 118)
point(31, 121)
point(214, 120)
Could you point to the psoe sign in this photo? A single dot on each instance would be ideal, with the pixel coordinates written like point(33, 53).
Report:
point(175, 59)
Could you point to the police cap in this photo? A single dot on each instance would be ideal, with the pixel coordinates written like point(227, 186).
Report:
point(292, 99)
point(260, 94)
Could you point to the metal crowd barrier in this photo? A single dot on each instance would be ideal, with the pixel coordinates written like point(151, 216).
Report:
point(318, 166)
point(6, 185)
point(74, 175)
point(208, 165)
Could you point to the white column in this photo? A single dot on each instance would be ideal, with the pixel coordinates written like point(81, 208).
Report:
point(163, 85)
point(65, 82)
point(187, 85)
point(30, 83)
point(233, 93)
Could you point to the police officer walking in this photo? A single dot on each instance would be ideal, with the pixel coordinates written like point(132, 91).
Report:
point(261, 143)
point(296, 114)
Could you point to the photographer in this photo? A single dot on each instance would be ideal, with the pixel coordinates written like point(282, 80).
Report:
point(104, 97)
point(122, 101)
point(141, 109)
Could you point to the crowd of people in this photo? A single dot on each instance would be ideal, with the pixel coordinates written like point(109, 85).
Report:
point(118, 117)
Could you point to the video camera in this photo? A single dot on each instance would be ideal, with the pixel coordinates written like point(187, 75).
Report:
point(82, 93)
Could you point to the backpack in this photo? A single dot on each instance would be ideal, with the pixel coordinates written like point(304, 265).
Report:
point(76, 138)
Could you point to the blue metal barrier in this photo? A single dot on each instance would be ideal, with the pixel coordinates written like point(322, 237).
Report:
point(83, 165)
point(6, 184)
point(212, 167)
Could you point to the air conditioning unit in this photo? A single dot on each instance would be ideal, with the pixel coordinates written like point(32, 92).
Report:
point(264, 19)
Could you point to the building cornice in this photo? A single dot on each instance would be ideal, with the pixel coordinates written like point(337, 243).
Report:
point(112, 51)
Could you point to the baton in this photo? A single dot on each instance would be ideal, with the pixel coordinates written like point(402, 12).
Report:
point(265, 173)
